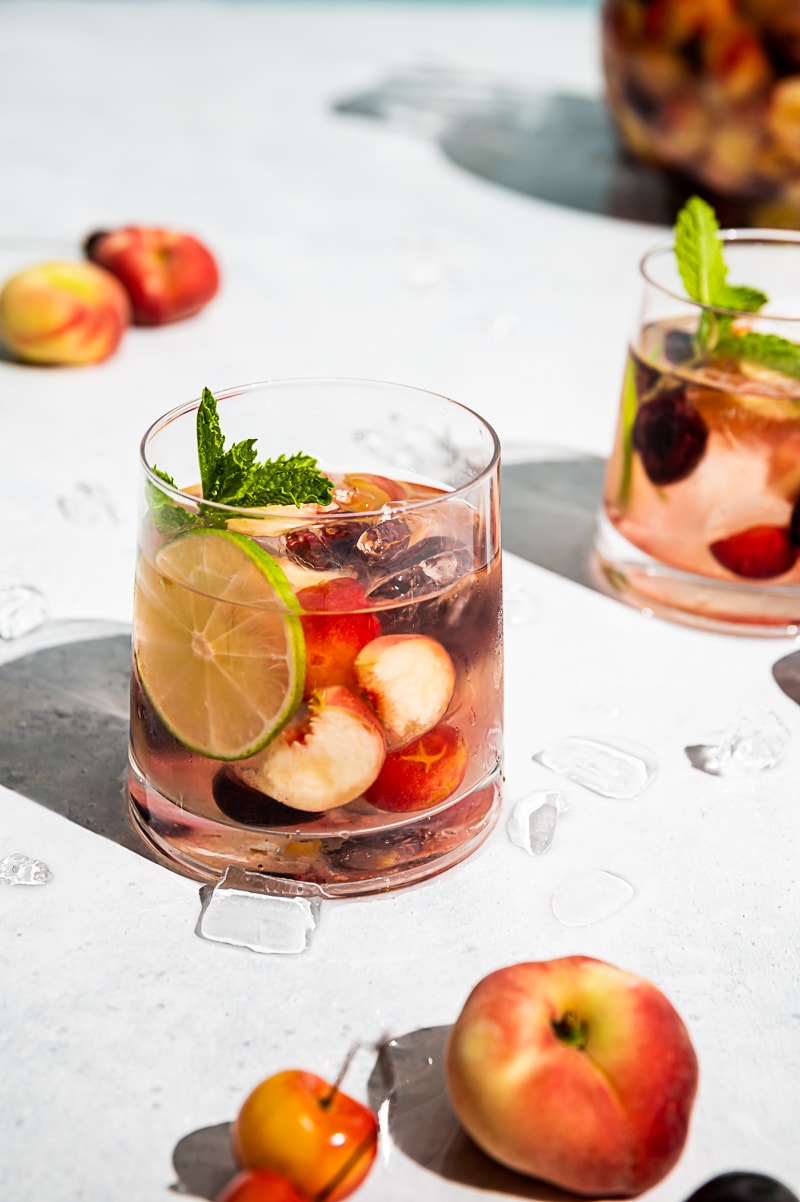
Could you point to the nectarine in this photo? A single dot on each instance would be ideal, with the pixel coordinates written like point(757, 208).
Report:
point(63, 313)
point(575, 1072)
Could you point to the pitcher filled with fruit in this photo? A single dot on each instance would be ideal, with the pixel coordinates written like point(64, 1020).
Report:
point(317, 639)
point(701, 518)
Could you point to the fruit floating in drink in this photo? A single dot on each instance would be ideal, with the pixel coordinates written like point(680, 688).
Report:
point(317, 650)
point(702, 493)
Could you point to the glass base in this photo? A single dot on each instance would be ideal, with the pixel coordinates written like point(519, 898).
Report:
point(407, 849)
point(726, 606)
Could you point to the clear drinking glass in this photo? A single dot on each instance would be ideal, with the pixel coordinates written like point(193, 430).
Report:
point(317, 691)
point(701, 516)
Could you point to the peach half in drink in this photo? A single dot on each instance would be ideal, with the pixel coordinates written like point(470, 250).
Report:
point(317, 684)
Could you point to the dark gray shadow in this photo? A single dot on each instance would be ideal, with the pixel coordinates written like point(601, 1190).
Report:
point(64, 724)
point(203, 1162)
point(549, 510)
point(409, 1076)
point(557, 147)
point(787, 675)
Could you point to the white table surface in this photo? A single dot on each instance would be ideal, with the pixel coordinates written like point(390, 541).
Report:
point(355, 247)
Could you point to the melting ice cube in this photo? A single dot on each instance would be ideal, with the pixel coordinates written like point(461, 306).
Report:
point(617, 772)
point(19, 869)
point(751, 743)
point(22, 609)
point(260, 912)
point(590, 896)
point(532, 822)
point(87, 505)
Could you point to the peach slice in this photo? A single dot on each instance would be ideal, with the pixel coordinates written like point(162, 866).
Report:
point(324, 758)
point(408, 680)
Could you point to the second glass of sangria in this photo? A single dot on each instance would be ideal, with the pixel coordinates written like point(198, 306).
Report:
point(701, 508)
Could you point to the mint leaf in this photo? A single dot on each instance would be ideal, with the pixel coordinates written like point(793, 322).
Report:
point(698, 251)
point(704, 272)
point(168, 517)
point(768, 350)
point(210, 442)
point(235, 477)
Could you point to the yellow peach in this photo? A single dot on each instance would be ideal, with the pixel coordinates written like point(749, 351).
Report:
point(63, 313)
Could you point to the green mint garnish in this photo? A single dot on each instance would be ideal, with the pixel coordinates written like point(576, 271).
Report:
point(768, 350)
point(702, 267)
point(235, 477)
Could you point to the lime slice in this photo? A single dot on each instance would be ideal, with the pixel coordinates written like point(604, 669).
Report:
point(218, 656)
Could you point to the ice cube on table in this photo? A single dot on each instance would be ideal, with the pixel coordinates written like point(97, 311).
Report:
point(263, 913)
point(589, 896)
point(618, 772)
point(22, 609)
point(751, 743)
point(532, 822)
point(19, 869)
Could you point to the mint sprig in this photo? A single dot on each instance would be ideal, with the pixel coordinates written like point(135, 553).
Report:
point(768, 350)
point(235, 477)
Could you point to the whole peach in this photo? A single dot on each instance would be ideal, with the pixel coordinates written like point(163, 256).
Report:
point(575, 1072)
point(63, 313)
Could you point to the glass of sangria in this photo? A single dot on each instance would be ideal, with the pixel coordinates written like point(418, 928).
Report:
point(701, 508)
point(317, 668)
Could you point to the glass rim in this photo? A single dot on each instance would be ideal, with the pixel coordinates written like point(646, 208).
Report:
point(326, 517)
point(743, 237)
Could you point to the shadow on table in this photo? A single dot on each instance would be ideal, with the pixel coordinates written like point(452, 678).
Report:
point(550, 501)
point(407, 1088)
point(557, 147)
point(408, 1085)
point(64, 723)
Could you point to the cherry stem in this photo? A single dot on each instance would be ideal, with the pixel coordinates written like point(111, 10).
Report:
point(327, 1098)
point(570, 1029)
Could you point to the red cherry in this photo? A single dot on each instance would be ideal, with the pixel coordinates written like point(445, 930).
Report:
point(422, 773)
point(757, 553)
point(260, 1185)
point(335, 634)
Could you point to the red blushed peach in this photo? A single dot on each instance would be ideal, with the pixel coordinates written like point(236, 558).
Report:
point(63, 313)
point(327, 755)
point(408, 680)
point(423, 773)
point(335, 634)
point(260, 1185)
point(574, 1072)
point(168, 274)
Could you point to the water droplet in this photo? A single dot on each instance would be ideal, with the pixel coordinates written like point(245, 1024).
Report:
point(590, 896)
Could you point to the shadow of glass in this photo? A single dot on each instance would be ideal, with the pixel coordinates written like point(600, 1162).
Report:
point(203, 1162)
point(407, 1086)
point(786, 672)
point(549, 509)
point(556, 147)
point(64, 724)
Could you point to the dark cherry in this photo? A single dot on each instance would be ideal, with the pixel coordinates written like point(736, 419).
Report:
point(678, 346)
point(742, 1187)
point(324, 547)
point(670, 436)
point(251, 808)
